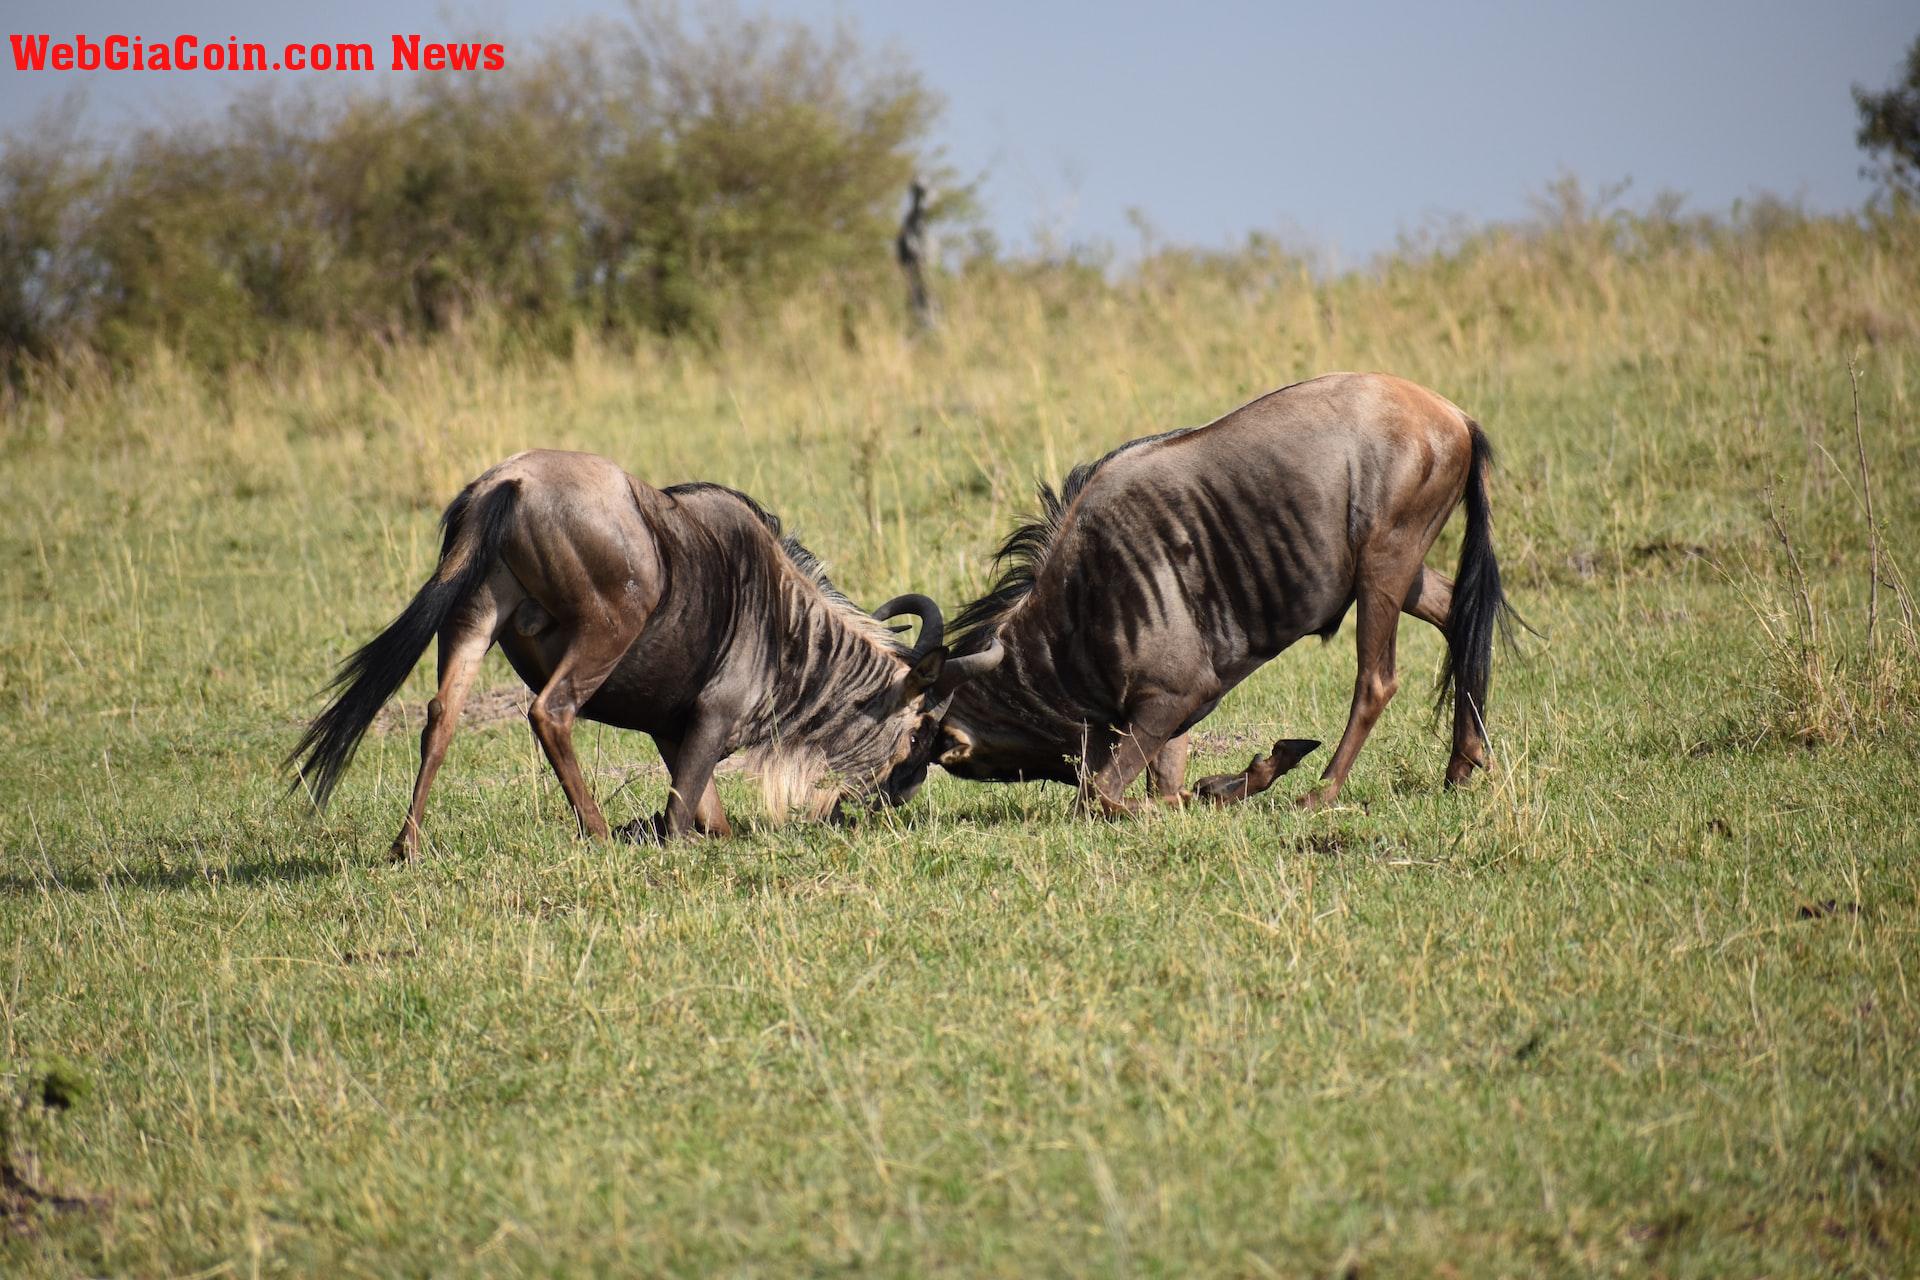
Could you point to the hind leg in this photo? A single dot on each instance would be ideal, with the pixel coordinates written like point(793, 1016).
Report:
point(463, 644)
point(1431, 601)
point(1377, 606)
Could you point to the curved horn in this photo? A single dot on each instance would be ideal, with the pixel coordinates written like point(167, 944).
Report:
point(933, 627)
point(960, 670)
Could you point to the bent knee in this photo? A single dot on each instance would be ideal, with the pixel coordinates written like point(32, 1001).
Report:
point(546, 715)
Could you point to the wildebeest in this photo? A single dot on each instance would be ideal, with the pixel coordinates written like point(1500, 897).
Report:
point(1167, 572)
point(681, 612)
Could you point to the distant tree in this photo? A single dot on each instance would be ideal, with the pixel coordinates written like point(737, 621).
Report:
point(910, 250)
point(44, 282)
point(647, 175)
point(1890, 128)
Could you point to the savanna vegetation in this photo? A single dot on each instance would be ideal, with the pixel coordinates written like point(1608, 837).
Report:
point(1641, 1000)
point(632, 176)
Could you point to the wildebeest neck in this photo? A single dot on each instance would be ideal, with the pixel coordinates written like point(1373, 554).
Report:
point(819, 670)
point(1033, 714)
point(834, 681)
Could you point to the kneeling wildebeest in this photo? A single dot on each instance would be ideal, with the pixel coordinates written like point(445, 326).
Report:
point(680, 612)
point(1167, 572)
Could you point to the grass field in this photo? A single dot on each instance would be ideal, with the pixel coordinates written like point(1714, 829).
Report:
point(1642, 1001)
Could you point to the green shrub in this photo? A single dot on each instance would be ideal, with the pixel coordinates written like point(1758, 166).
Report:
point(626, 176)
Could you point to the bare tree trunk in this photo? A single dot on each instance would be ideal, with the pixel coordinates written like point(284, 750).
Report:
point(910, 249)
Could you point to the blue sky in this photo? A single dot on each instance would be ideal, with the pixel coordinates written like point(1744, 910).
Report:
point(1336, 126)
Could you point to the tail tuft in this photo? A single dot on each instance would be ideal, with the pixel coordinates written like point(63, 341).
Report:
point(473, 528)
point(1480, 609)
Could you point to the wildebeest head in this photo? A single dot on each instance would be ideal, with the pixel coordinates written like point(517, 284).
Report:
point(987, 736)
point(913, 731)
point(857, 717)
point(1016, 724)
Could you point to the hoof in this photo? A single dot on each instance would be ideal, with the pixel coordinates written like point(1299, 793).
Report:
point(650, 830)
point(1221, 788)
point(402, 853)
point(1106, 810)
point(1260, 773)
point(1289, 752)
point(1316, 799)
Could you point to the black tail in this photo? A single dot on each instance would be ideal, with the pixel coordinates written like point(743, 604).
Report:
point(1480, 608)
point(472, 530)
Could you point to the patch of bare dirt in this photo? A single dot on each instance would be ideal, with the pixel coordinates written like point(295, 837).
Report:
point(1227, 742)
point(484, 707)
point(22, 1203)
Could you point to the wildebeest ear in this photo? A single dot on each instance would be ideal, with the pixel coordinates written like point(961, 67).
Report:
point(926, 670)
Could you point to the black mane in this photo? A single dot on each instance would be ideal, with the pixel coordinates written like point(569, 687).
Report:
point(1025, 550)
point(810, 566)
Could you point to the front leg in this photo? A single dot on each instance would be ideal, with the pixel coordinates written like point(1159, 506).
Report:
point(1167, 772)
point(709, 819)
point(692, 803)
point(1152, 724)
point(1232, 788)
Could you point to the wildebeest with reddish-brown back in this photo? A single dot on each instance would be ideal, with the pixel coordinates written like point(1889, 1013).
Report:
point(1170, 570)
point(681, 612)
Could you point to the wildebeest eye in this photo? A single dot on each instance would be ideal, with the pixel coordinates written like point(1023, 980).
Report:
point(920, 742)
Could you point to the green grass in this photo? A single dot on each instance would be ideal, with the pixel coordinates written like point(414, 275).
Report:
point(1642, 1001)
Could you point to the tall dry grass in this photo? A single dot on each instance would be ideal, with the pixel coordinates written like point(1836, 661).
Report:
point(1646, 377)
